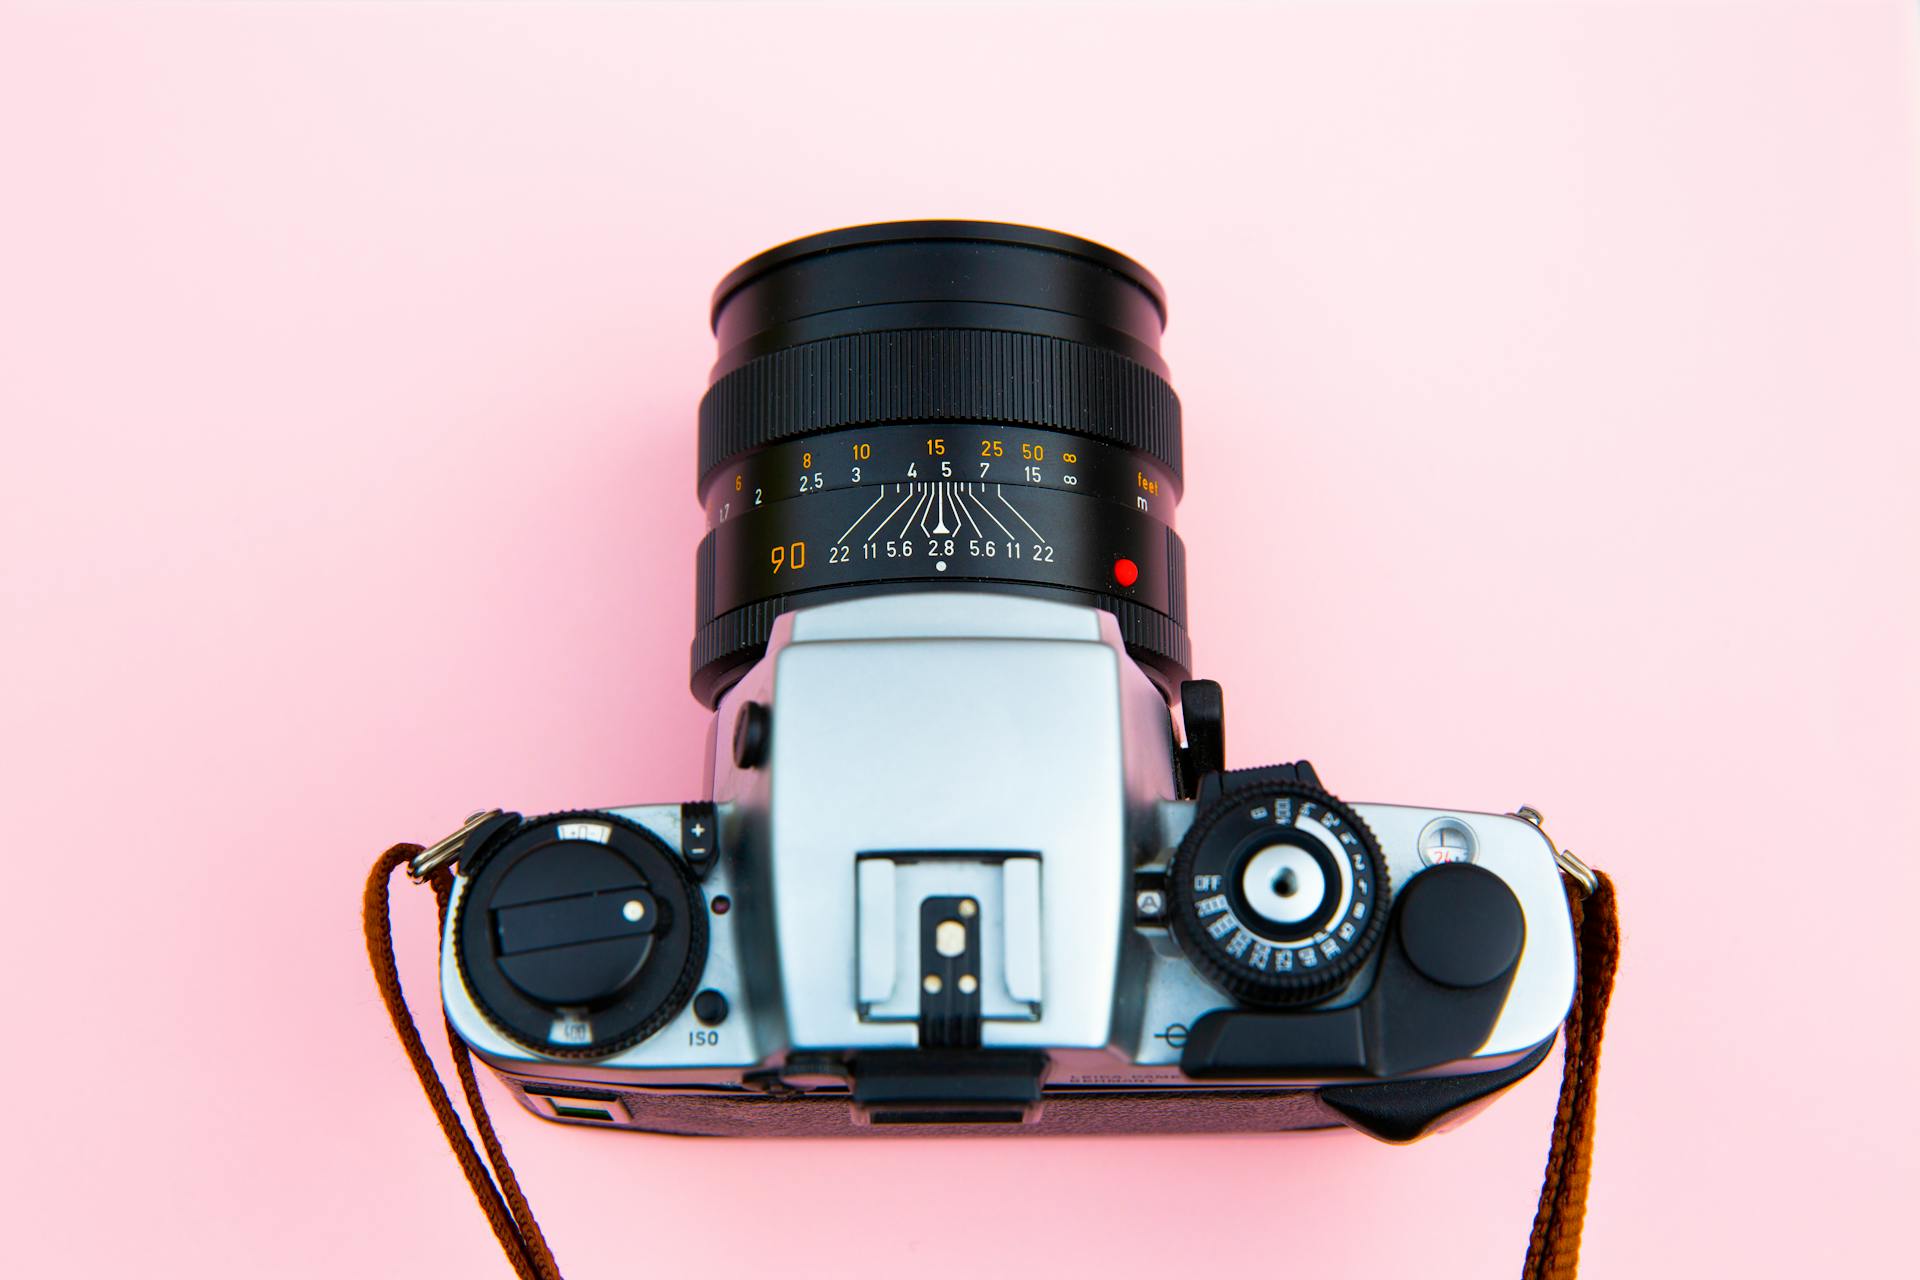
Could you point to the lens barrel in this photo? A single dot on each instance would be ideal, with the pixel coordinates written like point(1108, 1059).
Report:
point(938, 405)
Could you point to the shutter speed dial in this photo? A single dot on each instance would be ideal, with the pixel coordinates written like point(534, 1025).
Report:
point(1279, 894)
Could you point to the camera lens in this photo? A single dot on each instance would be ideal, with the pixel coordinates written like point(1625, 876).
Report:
point(938, 406)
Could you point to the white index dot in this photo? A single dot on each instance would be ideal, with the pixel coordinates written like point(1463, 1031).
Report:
point(941, 565)
point(634, 910)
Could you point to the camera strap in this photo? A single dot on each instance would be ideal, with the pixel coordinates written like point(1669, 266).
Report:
point(1553, 1252)
point(1554, 1249)
point(503, 1202)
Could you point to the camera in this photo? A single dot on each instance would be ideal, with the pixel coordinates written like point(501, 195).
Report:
point(969, 854)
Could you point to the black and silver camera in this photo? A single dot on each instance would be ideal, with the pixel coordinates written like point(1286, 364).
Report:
point(970, 854)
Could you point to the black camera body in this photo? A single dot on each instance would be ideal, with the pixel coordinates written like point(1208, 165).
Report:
point(970, 856)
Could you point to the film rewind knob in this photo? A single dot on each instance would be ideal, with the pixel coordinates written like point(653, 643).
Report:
point(579, 934)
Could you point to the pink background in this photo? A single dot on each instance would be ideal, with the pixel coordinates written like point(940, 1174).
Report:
point(350, 362)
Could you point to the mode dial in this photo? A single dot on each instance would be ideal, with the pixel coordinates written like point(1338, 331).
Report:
point(579, 934)
point(1279, 893)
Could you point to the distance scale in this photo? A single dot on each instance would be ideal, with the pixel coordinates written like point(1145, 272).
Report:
point(980, 456)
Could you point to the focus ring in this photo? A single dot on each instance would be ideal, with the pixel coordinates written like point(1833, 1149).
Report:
point(934, 375)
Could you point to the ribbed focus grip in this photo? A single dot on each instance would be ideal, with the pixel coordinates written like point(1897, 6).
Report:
point(939, 375)
point(724, 645)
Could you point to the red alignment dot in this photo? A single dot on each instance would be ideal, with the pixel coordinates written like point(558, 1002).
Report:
point(1125, 572)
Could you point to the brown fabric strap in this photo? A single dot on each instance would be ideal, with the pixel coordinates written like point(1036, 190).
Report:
point(1554, 1250)
point(1552, 1253)
point(511, 1218)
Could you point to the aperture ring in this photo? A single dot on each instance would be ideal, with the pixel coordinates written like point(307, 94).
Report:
point(726, 645)
point(954, 375)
